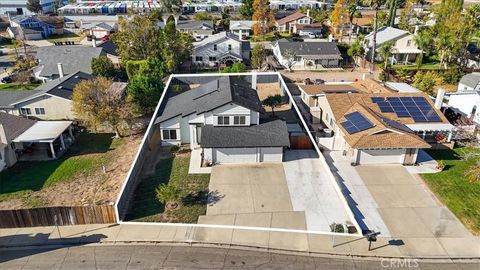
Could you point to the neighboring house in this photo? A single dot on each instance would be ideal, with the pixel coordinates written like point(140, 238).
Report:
point(99, 30)
point(46, 25)
point(242, 29)
point(466, 100)
point(58, 61)
point(198, 29)
point(310, 30)
point(362, 25)
point(24, 33)
point(111, 50)
point(310, 93)
point(404, 48)
point(307, 55)
point(289, 23)
point(19, 7)
point(223, 117)
point(49, 101)
point(472, 59)
point(220, 49)
point(381, 128)
point(27, 140)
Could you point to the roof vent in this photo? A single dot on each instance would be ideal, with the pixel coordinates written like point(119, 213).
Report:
point(60, 87)
point(76, 77)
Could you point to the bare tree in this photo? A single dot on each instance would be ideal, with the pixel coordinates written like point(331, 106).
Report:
point(290, 58)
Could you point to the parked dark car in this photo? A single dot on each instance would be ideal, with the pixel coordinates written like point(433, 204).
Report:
point(307, 81)
point(319, 81)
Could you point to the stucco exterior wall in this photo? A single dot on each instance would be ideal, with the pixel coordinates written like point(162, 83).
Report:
point(56, 108)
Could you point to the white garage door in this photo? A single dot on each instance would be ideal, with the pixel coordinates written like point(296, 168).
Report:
point(235, 155)
point(392, 156)
point(271, 154)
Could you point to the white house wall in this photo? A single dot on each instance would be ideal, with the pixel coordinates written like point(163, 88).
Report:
point(207, 51)
point(56, 108)
point(465, 104)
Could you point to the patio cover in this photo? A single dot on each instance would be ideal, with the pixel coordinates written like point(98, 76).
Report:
point(431, 127)
point(43, 131)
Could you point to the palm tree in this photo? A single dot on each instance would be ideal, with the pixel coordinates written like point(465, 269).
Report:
point(356, 50)
point(423, 41)
point(385, 51)
point(353, 13)
point(444, 42)
point(376, 5)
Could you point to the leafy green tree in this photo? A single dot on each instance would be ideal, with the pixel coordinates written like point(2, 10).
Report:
point(273, 101)
point(423, 39)
point(258, 56)
point(171, 6)
point(145, 86)
point(392, 13)
point(236, 67)
point(34, 6)
point(425, 81)
point(453, 74)
point(202, 16)
point(355, 50)
point(138, 38)
point(168, 195)
point(247, 8)
point(103, 66)
point(94, 104)
point(176, 46)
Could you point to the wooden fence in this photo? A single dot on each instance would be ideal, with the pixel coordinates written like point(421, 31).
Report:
point(301, 142)
point(57, 216)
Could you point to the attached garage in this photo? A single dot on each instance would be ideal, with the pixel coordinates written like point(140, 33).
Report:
point(383, 156)
point(244, 155)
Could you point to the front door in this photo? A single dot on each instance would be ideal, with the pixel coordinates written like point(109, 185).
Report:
point(198, 133)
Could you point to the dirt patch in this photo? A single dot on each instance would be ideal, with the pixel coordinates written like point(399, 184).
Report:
point(268, 89)
point(94, 189)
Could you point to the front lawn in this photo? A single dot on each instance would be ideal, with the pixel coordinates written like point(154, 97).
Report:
point(270, 37)
point(425, 66)
point(453, 189)
point(13, 86)
point(65, 37)
point(88, 153)
point(193, 189)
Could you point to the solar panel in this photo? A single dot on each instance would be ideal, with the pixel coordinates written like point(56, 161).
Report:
point(395, 124)
point(356, 123)
point(417, 108)
point(377, 99)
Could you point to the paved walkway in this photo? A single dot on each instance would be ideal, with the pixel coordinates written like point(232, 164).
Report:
point(312, 191)
point(195, 165)
point(450, 247)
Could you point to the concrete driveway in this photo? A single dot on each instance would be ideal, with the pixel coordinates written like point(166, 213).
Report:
point(406, 205)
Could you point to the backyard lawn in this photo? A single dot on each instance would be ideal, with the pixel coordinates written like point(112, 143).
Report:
point(193, 188)
point(85, 157)
point(452, 187)
point(13, 86)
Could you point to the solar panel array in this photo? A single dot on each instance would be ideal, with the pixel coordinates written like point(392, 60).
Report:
point(417, 108)
point(395, 124)
point(356, 122)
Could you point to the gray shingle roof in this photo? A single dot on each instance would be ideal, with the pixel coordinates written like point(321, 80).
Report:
point(386, 33)
point(317, 50)
point(471, 80)
point(14, 125)
point(211, 95)
point(194, 25)
point(73, 58)
point(109, 47)
point(63, 87)
point(7, 97)
point(270, 134)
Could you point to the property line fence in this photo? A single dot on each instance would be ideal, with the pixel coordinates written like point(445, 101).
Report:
point(57, 216)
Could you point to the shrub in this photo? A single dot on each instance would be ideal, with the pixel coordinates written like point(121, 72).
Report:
point(174, 148)
point(168, 194)
point(453, 75)
point(382, 76)
point(425, 81)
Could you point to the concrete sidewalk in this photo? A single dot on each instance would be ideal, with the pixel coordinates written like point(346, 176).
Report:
point(272, 240)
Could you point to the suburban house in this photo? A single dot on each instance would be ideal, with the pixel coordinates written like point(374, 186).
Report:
point(44, 26)
point(24, 33)
point(466, 101)
point(223, 117)
point(404, 48)
point(381, 128)
point(30, 140)
point(99, 30)
point(59, 61)
point(19, 7)
point(242, 29)
point(289, 23)
point(307, 55)
point(111, 50)
point(198, 29)
point(49, 101)
point(220, 49)
point(309, 30)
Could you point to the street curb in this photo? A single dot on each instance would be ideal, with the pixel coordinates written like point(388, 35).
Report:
point(246, 248)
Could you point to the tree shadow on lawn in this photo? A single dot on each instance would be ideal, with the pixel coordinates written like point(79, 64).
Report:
point(203, 197)
point(35, 175)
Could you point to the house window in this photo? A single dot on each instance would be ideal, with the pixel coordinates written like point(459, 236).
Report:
point(40, 111)
point(409, 42)
point(25, 111)
point(297, 58)
point(212, 58)
point(169, 134)
point(327, 117)
point(198, 58)
point(239, 120)
point(229, 47)
point(214, 47)
point(223, 120)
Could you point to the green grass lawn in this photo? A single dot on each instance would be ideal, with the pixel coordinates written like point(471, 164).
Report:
point(194, 190)
point(12, 86)
point(452, 187)
point(427, 66)
point(65, 37)
point(269, 37)
point(6, 42)
point(88, 153)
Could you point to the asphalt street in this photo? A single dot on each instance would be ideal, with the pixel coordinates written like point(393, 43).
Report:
point(186, 257)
